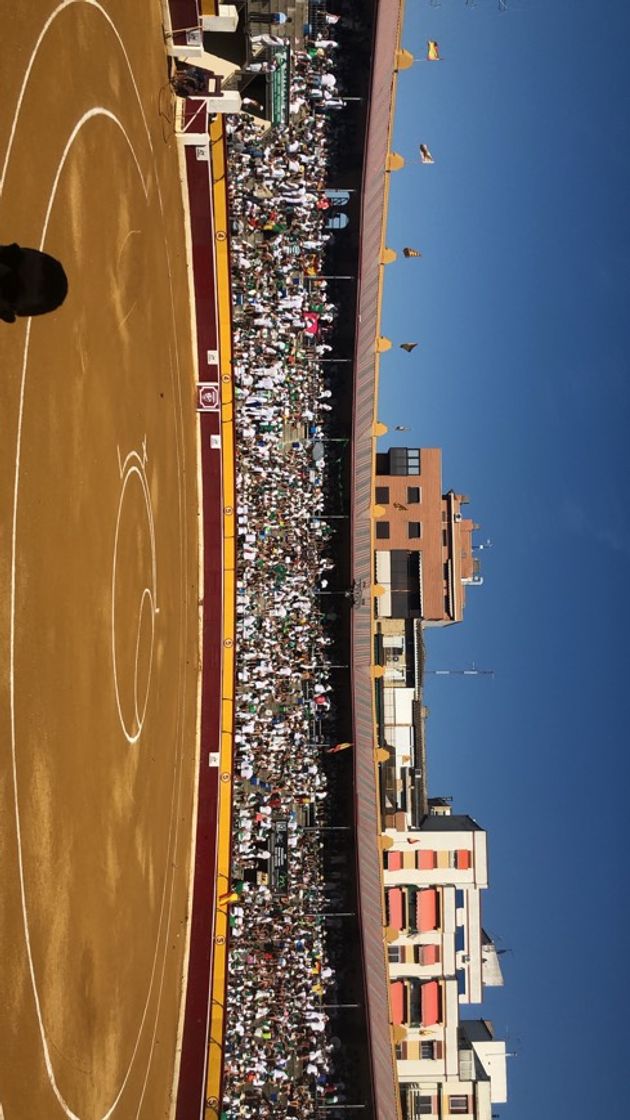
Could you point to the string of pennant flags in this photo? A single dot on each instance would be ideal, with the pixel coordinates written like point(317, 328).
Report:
point(432, 55)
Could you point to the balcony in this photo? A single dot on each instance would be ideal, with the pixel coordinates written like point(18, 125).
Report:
point(416, 1102)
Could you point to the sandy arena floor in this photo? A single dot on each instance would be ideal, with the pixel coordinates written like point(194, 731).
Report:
point(98, 572)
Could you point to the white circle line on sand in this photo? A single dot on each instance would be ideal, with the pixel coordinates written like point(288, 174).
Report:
point(61, 7)
point(88, 116)
point(174, 824)
point(135, 471)
point(146, 597)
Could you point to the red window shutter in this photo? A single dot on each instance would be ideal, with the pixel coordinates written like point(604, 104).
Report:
point(426, 860)
point(430, 954)
point(427, 910)
point(430, 1003)
point(397, 994)
point(395, 907)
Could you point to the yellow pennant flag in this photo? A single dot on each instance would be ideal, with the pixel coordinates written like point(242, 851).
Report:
point(433, 51)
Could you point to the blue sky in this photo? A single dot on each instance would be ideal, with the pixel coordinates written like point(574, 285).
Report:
point(521, 376)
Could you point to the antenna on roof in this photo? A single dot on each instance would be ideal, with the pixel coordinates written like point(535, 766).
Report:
point(472, 672)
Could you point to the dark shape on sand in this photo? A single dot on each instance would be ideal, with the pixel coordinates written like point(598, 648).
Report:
point(31, 282)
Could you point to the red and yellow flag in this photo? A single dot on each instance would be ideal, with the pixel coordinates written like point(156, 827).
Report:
point(433, 51)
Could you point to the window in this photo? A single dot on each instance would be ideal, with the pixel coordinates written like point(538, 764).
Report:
point(414, 495)
point(429, 954)
point(398, 461)
point(414, 529)
point(445, 537)
point(427, 1050)
point(413, 461)
point(426, 860)
point(393, 954)
point(424, 1106)
point(458, 1104)
point(382, 530)
point(404, 461)
point(382, 495)
point(427, 910)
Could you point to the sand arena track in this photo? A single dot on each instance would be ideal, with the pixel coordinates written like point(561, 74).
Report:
point(99, 572)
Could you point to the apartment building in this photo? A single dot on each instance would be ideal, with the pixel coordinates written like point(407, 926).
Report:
point(440, 957)
point(425, 557)
point(401, 718)
point(479, 1084)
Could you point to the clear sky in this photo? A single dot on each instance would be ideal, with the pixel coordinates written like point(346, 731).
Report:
point(521, 308)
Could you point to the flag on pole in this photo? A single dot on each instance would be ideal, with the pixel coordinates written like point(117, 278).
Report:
point(231, 896)
point(408, 346)
point(407, 252)
point(338, 747)
point(425, 155)
point(433, 51)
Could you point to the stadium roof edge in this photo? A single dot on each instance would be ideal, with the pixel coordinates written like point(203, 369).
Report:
point(377, 165)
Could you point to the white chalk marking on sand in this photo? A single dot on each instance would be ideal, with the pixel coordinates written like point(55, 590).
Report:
point(88, 116)
point(130, 233)
point(31, 62)
point(62, 6)
point(133, 467)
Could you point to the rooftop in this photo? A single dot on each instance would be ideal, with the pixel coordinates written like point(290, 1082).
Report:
point(374, 202)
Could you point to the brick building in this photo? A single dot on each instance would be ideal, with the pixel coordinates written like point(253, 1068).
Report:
point(440, 958)
point(424, 544)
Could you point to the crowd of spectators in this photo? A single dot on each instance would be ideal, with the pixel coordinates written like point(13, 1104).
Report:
point(278, 1054)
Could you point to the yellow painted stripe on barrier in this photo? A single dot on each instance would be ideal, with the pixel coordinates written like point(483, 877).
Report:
point(386, 196)
point(228, 452)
